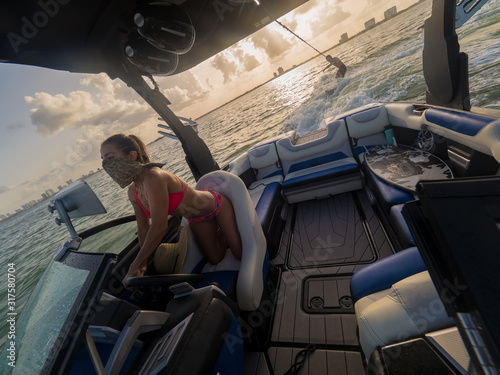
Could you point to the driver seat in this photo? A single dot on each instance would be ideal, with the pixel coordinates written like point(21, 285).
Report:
point(251, 271)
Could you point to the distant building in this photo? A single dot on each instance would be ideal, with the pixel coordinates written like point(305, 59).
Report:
point(3, 217)
point(275, 74)
point(343, 38)
point(280, 71)
point(44, 196)
point(59, 188)
point(69, 182)
point(369, 24)
point(391, 12)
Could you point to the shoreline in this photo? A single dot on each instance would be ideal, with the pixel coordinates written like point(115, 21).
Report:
point(313, 57)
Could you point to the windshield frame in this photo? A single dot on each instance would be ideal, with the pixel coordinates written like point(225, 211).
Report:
point(77, 316)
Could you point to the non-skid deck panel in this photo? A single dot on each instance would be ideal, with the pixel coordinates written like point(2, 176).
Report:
point(294, 325)
point(279, 259)
point(381, 243)
point(329, 232)
point(256, 364)
point(325, 362)
point(379, 238)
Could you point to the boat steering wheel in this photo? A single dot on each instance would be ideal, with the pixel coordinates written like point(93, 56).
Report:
point(426, 141)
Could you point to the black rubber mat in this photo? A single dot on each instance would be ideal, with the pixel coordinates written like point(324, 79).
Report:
point(325, 362)
point(292, 324)
point(329, 232)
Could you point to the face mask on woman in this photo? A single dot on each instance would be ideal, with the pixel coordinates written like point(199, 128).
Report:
point(124, 171)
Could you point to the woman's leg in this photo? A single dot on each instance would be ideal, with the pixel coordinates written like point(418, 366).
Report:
point(205, 233)
point(213, 244)
point(229, 229)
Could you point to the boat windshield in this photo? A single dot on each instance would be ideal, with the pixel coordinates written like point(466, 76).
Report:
point(55, 317)
point(112, 240)
point(45, 314)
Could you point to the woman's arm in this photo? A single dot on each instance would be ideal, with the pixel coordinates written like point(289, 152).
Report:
point(140, 217)
point(155, 184)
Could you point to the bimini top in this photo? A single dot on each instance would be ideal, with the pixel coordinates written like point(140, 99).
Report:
point(157, 36)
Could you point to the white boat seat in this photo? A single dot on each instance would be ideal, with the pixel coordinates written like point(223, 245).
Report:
point(252, 269)
point(264, 161)
point(410, 308)
point(319, 168)
point(261, 162)
point(367, 127)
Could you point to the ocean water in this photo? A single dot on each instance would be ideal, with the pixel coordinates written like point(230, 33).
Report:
point(383, 65)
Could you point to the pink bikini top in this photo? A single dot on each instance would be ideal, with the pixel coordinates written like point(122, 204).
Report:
point(174, 199)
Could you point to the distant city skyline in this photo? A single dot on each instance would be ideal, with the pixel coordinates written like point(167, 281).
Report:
point(47, 194)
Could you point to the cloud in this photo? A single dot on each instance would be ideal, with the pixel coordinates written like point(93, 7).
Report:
point(227, 67)
point(4, 189)
point(183, 90)
point(326, 17)
point(272, 43)
point(248, 62)
point(114, 104)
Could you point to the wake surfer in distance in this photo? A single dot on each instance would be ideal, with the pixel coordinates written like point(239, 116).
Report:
point(335, 61)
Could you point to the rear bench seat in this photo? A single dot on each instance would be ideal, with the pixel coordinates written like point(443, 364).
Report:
point(320, 167)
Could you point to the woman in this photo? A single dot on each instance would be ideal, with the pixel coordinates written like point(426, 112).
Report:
point(156, 193)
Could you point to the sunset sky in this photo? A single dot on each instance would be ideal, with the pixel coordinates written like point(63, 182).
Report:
point(53, 122)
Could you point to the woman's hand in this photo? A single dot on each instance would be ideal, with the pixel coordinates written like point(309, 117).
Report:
point(135, 270)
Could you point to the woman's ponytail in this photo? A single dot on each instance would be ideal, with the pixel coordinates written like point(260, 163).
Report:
point(142, 152)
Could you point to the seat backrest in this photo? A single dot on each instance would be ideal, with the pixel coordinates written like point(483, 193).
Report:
point(253, 265)
point(264, 160)
point(367, 127)
point(336, 141)
point(239, 165)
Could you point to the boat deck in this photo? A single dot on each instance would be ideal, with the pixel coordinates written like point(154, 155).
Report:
point(323, 243)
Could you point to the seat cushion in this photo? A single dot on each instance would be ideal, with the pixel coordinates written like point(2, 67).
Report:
point(400, 226)
point(264, 161)
point(387, 195)
point(385, 272)
point(257, 188)
point(269, 199)
point(320, 173)
point(411, 307)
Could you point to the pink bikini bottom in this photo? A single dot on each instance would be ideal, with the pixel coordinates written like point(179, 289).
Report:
point(214, 213)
